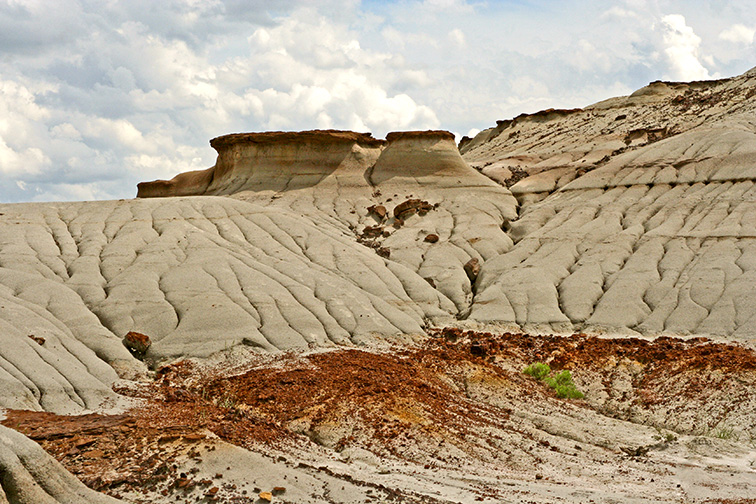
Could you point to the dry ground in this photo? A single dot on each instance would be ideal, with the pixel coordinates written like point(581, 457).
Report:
point(450, 419)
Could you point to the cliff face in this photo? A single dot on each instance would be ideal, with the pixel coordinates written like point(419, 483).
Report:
point(273, 161)
point(426, 157)
point(281, 161)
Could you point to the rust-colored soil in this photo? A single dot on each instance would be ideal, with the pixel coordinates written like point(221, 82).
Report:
point(110, 453)
point(396, 403)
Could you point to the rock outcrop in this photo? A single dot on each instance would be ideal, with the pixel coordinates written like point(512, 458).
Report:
point(273, 161)
point(340, 179)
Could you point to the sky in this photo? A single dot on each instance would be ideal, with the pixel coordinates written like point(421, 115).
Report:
point(97, 95)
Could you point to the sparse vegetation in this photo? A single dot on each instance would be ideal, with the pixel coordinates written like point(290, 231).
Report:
point(227, 402)
point(561, 382)
point(538, 370)
point(725, 432)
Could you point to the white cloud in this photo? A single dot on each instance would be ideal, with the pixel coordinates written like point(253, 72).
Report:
point(20, 115)
point(682, 49)
point(455, 5)
point(586, 56)
point(320, 76)
point(69, 192)
point(457, 36)
point(96, 96)
point(738, 34)
point(619, 12)
point(65, 131)
point(29, 160)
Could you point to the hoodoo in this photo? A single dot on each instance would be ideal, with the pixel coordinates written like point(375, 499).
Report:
point(281, 161)
point(273, 160)
point(334, 177)
point(429, 157)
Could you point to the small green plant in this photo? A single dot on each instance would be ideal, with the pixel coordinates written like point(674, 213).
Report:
point(563, 385)
point(561, 382)
point(538, 370)
point(725, 432)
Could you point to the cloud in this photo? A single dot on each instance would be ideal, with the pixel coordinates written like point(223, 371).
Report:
point(682, 49)
point(738, 34)
point(34, 26)
point(20, 130)
point(454, 5)
point(319, 75)
point(619, 12)
point(457, 36)
point(96, 96)
point(137, 98)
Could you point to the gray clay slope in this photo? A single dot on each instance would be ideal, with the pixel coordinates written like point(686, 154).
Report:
point(637, 214)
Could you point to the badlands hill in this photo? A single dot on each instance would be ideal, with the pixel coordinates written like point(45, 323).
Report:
point(636, 212)
point(308, 294)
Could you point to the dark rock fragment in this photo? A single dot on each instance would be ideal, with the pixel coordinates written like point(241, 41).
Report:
point(411, 207)
point(372, 231)
point(137, 342)
point(37, 339)
point(472, 268)
point(378, 210)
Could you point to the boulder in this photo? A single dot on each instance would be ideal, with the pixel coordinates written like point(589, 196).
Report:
point(137, 342)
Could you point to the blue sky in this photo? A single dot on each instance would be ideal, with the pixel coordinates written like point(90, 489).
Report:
point(96, 96)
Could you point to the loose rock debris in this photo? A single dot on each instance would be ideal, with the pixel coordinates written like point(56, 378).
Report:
point(453, 398)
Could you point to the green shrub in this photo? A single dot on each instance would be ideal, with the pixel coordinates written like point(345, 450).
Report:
point(538, 370)
point(564, 386)
point(561, 382)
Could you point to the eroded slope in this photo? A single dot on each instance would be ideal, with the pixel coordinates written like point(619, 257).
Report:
point(357, 184)
point(451, 420)
point(199, 275)
point(637, 214)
